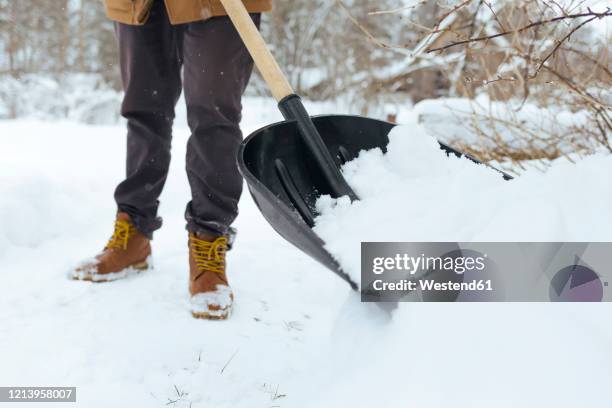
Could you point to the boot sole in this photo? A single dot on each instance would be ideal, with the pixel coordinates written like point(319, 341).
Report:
point(207, 316)
point(131, 270)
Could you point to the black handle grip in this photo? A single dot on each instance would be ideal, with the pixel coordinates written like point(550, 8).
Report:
point(292, 109)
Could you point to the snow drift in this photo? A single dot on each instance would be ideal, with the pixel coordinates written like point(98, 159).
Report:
point(416, 193)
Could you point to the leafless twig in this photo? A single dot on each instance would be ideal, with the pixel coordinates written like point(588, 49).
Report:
point(591, 14)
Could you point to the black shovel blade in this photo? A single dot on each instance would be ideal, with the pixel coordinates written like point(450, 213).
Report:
point(285, 182)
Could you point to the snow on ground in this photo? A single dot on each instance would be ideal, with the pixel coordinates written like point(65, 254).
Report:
point(298, 337)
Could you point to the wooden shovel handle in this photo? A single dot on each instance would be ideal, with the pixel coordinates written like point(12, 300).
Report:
point(267, 65)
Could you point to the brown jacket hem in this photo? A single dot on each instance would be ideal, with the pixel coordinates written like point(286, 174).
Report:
point(128, 12)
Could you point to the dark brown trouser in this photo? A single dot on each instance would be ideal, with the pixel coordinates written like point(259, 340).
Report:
point(216, 71)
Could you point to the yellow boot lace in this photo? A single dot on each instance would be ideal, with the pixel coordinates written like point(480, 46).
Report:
point(209, 256)
point(123, 231)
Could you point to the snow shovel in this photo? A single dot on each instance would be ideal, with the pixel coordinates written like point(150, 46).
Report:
point(288, 165)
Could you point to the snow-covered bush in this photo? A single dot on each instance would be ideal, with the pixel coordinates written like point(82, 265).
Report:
point(83, 98)
point(494, 131)
point(528, 81)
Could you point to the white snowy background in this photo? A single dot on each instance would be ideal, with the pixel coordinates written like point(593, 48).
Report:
point(298, 337)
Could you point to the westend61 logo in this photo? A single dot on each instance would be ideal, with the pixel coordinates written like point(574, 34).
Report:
point(489, 271)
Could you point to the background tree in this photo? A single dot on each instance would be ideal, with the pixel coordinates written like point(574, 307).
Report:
point(375, 54)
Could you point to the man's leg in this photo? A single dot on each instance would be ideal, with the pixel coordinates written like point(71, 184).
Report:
point(150, 62)
point(150, 69)
point(217, 68)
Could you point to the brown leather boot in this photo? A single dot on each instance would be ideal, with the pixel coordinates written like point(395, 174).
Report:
point(127, 252)
point(211, 296)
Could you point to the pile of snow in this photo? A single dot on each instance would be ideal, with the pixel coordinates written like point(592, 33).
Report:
point(464, 355)
point(416, 193)
point(85, 98)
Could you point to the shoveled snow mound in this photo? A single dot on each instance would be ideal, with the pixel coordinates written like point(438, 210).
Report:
point(415, 192)
point(464, 355)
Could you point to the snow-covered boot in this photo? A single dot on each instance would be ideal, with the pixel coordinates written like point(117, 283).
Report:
point(211, 296)
point(127, 252)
